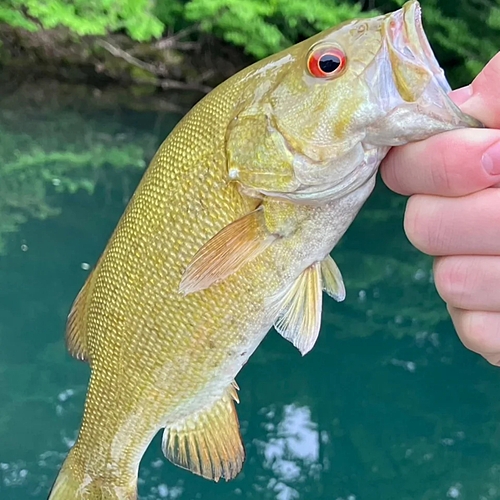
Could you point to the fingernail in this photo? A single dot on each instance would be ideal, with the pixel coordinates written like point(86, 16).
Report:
point(461, 95)
point(491, 159)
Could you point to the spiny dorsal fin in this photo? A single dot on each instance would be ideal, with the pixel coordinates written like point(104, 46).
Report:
point(209, 443)
point(231, 248)
point(299, 319)
point(333, 284)
point(76, 336)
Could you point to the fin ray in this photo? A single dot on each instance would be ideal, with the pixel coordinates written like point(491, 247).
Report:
point(76, 337)
point(333, 284)
point(299, 319)
point(208, 444)
point(232, 247)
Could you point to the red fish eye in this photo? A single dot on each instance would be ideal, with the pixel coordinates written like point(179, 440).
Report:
point(326, 62)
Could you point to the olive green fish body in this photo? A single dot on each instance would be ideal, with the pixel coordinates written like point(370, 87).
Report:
point(170, 355)
point(229, 233)
point(170, 347)
point(176, 355)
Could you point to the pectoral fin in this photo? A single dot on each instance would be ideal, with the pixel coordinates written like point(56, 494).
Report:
point(208, 443)
point(333, 284)
point(231, 248)
point(299, 320)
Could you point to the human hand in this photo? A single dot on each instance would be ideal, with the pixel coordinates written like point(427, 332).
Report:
point(454, 211)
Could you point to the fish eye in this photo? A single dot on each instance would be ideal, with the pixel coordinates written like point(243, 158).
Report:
point(326, 62)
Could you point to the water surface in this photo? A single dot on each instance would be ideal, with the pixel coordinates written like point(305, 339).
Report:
point(388, 405)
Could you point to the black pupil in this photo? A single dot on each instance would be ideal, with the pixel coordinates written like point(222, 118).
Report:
point(329, 63)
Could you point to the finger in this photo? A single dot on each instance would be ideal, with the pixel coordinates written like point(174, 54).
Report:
point(449, 164)
point(436, 225)
point(483, 102)
point(469, 282)
point(479, 331)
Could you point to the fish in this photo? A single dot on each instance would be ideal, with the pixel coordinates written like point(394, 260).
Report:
point(229, 233)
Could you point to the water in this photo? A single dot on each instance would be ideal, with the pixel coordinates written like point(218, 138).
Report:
point(388, 405)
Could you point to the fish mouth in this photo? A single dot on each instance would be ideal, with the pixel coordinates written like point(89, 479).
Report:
point(408, 36)
point(407, 40)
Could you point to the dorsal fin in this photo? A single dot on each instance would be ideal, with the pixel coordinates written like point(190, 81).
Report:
point(208, 443)
point(76, 334)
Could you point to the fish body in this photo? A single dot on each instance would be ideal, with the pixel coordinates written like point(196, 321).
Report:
point(229, 233)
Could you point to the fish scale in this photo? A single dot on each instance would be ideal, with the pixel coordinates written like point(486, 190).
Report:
point(228, 233)
point(137, 280)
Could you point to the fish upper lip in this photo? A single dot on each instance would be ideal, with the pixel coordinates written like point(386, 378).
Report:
point(405, 33)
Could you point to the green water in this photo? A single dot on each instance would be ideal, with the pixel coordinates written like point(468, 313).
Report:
point(389, 405)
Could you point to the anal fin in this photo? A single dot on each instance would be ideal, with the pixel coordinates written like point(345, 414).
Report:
point(76, 337)
point(208, 443)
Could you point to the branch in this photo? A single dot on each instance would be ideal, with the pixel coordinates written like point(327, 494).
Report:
point(117, 52)
point(164, 83)
point(173, 40)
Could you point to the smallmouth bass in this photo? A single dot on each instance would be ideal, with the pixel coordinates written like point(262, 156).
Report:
point(229, 233)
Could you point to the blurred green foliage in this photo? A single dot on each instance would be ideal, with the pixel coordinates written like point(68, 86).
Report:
point(84, 17)
point(464, 33)
point(264, 27)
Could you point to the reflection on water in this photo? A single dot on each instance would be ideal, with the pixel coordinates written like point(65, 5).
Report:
point(388, 405)
point(291, 451)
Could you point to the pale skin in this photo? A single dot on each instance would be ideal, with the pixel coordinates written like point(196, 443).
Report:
point(453, 212)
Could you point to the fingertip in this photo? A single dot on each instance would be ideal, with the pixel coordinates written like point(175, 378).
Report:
point(478, 330)
point(461, 95)
point(416, 223)
point(483, 103)
point(390, 171)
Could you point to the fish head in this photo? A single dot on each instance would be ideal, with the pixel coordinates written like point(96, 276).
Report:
point(345, 96)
